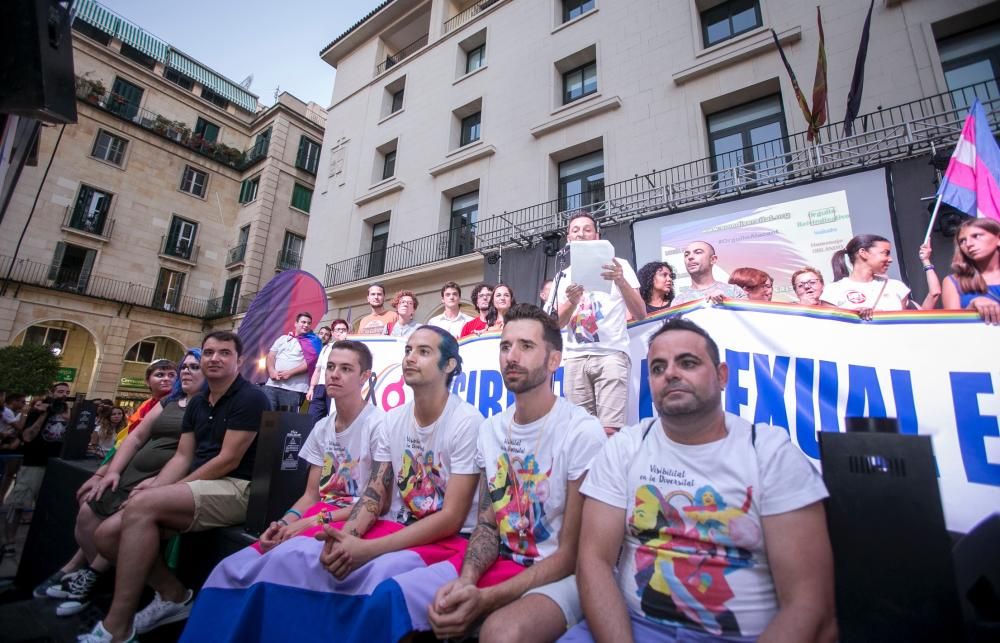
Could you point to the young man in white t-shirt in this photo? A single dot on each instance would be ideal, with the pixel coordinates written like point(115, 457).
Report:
point(452, 319)
point(319, 403)
point(427, 447)
point(533, 458)
point(719, 519)
point(597, 361)
point(340, 446)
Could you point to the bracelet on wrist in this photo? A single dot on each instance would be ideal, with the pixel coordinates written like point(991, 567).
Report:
point(928, 266)
point(295, 512)
point(282, 521)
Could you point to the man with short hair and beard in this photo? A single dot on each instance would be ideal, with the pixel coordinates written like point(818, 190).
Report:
point(482, 297)
point(722, 521)
point(699, 261)
point(378, 321)
point(533, 458)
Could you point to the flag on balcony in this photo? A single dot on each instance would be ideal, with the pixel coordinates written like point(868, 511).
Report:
point(816, 116)
point(972, 181)
point(858, 80)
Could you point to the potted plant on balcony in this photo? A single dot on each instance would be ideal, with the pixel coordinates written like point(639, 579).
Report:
point(161, 125)
point(90, 90)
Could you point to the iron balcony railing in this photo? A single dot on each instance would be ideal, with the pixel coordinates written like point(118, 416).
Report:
point(446, 244)
point(288, 260)
point(392, 59)
point(906, 130)
point(178, 249)
point(175, 131)
point(96, 224)
point(467, 15)
point(236, 254)
point(82, 282)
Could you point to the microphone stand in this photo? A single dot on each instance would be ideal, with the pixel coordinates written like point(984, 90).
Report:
point(551, 306)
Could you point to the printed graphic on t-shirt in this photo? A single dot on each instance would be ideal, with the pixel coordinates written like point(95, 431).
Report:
point(421, 487)
point(338, 483)
point(855, 296)
point(54, 430)
point(583, 324)
point(519, 491)
point(687, 546)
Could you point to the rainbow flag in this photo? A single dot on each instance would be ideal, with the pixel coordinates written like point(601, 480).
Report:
point(287, 595)
point(972, 181)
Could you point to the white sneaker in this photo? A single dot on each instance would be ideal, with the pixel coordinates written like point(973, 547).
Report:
point(69, 608)
point(101, 635)
point(60, 589)
point(160, 612)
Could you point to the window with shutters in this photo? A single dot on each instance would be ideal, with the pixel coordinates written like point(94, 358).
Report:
point(231, 295)
point(194, 181)
point(301, 197)
point(110, 148)
point(291, 252)
point(207, 130)
point(308, 156)
point(125, 99)
point(169, 288)
point(90, 214)
point(248, 189)
point(71, 267)
point(180, 239)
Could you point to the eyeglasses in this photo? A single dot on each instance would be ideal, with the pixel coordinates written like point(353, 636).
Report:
point(190, 366)
point(812, 283)
point(339, 331)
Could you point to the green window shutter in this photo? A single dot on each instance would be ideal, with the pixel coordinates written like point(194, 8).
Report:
point(81, 205)
point(300, 158)
point(88, 267)
point(57, 260)
point(301, 197)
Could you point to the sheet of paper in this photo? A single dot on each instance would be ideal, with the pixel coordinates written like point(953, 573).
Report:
point(587, 261)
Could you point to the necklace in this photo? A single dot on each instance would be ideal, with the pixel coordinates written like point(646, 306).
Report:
point(523, 523)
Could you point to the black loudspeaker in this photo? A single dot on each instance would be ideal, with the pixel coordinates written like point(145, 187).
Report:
point(279, 476)
point(895, 580)
point(977, 564)
point(36, 60)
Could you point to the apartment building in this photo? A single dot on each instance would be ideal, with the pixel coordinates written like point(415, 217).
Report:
point(173, 199)
point(461, 131)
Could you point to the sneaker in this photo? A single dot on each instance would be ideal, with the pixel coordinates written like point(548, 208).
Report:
point(80, 589)
point(101, 635)
point(69, 608)
point(52, 581)
point(65, 588)
point(160, 612)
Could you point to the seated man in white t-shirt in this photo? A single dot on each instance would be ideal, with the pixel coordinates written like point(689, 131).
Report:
point(597, 361)
point(722, 522)
point(534, 457)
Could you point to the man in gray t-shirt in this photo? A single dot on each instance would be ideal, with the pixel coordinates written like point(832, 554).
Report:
point(699, 260)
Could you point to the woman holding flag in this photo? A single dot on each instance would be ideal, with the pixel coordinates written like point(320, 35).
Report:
point(975, 280)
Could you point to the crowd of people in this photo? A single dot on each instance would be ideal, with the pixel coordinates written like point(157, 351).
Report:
point(699, 526)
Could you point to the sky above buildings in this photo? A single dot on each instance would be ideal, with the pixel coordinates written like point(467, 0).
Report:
point(276, 41)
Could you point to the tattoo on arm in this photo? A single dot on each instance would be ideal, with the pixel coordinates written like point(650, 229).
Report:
point(484, 544)
point(369, 507)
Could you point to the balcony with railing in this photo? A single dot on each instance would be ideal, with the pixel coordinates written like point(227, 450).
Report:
point(395, 58)
point(235, 255)
point(94, 93)
point(82, 282)
point(467, 15)
point(288, 260)
point(178, 249)
point(88, 223)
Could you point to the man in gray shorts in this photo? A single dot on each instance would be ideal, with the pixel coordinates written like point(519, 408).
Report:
point(533, 458)
point(205, 485)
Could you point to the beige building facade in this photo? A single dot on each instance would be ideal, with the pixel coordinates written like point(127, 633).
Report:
point(157, 215)
point(457, 129)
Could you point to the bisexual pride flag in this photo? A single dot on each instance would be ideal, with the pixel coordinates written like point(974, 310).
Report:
point(972, 181)
point(287, 595)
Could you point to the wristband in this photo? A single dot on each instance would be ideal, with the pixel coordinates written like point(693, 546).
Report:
point(297, 513)
point(929, 266)
point(98, 475)
point(282, 521)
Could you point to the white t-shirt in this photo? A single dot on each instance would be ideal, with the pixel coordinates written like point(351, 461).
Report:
point(424, 458)
point(9, 418)
point(287, 355)
point(690, 293)
point(597, 326)
point(545, 454)
point(694, 553)
point(399, 329)
point(346, 457)
point(855, 295)
point(453, 326)
point(324, 357)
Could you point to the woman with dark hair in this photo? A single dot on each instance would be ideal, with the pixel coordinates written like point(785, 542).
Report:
point(503, 299)
point(758, 285)
point(975, 280)
point(656, 285)
point(866, 288)
point(136, 462)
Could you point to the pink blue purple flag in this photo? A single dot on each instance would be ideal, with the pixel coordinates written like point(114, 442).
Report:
point(972, 181)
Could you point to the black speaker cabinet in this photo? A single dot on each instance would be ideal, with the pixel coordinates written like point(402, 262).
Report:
point(279, 477)
point(895, 579)
point(36, 60)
